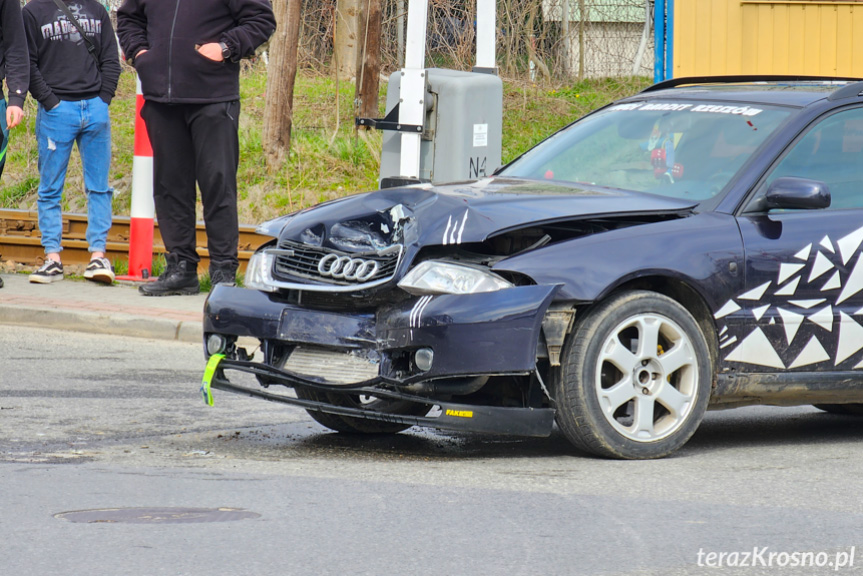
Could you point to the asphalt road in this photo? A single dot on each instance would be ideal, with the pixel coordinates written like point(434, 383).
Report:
point(97, 423)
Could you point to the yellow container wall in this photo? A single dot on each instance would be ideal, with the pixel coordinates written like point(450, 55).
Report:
point(715, 37)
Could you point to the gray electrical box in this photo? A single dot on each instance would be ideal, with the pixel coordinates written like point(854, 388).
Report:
point(461, 132)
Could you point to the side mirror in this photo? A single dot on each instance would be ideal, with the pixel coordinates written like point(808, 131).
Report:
point(797, 193)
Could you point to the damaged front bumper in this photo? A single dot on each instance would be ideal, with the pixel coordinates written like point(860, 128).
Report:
point(536, 422)
point(468, 336)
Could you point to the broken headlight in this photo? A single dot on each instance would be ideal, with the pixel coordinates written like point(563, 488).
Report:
point(436, 277)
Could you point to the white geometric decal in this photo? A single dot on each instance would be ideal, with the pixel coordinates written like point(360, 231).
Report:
point(854, 283)
point(756, 349)
point(850, 338)
point(789, 289)
point(833, 283)
point(822, 265)
point(730, 307)
point(786, 271)
point(804, 254)
point(812, 353)
point(791, 321)
point(822, 261)
point(823, 318)
point(848, 245)
point(756, 293)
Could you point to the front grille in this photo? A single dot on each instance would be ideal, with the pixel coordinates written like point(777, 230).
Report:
point(303, 264)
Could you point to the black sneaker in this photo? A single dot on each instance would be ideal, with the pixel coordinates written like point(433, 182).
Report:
point(50, 271)
point(99, 270)
point(1, 282)
point(178, 279)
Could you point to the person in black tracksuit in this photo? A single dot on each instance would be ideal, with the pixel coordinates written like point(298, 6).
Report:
point(187, 54)
point(15, 68)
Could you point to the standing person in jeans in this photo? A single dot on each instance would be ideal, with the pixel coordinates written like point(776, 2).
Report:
point(187, 57)
point(15, 68)
point(74, 88)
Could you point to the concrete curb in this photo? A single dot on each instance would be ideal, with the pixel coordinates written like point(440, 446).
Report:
point(117, 324)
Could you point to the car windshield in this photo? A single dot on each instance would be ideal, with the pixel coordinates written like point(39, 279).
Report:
point(680, 149)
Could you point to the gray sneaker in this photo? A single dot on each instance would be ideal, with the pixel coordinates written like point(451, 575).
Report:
point(50, 271)
point(99, 270)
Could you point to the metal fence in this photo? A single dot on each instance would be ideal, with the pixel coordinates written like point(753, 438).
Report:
point(556, 39)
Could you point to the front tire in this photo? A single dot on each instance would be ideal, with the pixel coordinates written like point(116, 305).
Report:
point(635, 378)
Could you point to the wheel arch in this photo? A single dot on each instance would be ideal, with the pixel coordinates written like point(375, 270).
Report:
point(581, 412)
point(683, 293)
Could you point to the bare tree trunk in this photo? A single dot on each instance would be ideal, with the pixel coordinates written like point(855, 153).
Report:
point(346, 41)
point(567, 39)
point(582, 21)
point(369, 60)
point(531, 46)
point(281, 74)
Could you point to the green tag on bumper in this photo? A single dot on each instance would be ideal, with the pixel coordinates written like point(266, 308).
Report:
point(212, 365)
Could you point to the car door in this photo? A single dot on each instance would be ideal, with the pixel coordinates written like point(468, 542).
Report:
point(802, 306)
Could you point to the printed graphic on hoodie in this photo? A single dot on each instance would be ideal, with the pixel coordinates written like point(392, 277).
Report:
point(62, 29)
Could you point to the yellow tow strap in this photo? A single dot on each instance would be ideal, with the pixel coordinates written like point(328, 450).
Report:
point(212, 365)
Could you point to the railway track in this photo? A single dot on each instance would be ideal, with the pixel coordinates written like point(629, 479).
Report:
point(19, 240)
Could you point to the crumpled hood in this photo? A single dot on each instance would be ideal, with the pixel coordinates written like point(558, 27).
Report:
point(459, 213)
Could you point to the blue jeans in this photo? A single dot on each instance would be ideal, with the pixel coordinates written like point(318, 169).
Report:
point(87, 123)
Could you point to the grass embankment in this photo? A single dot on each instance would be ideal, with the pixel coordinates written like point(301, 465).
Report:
point(327, 159)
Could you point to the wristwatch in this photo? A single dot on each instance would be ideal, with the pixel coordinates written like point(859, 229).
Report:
point(226, 52)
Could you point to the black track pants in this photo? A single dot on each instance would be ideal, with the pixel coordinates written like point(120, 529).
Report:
point(195, 143)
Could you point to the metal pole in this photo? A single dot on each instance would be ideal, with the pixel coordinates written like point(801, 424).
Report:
point(485, 36)
point(412, 88)
point(400, 32)
point(659, 41)
point(669, 41)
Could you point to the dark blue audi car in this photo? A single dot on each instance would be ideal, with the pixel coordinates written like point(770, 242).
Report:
point(694, 246)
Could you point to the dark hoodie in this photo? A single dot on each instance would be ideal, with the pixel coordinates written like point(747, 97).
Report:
point(14, 63)
point(172, 70)
point(61, 68)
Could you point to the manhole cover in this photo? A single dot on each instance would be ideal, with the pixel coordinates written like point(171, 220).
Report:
point(157, 515)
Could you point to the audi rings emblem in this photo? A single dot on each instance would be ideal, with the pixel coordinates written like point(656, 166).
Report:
point(347, 268)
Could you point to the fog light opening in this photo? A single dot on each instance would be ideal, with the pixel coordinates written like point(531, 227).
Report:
point(216, 344)
point(423, 359)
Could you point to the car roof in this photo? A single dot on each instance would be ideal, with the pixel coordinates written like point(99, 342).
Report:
point(782, 90)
